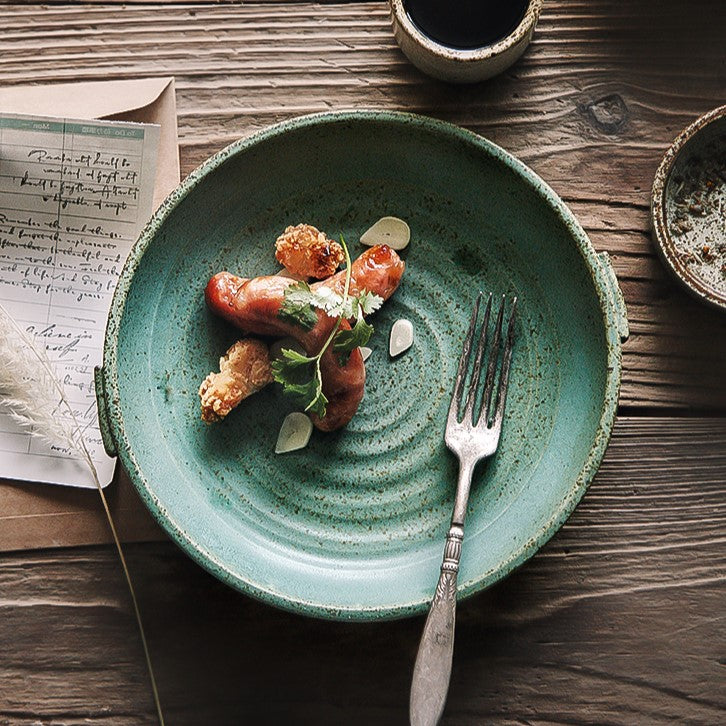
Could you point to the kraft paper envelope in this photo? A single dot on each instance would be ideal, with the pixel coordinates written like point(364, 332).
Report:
point(34, 516)
point(149, 100)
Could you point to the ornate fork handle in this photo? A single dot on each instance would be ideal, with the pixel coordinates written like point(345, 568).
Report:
point(446, 587)
point(433, 663)
point(472, 437)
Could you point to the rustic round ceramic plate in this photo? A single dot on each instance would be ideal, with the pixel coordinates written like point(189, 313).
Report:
point(688, 208)
point(353, 526)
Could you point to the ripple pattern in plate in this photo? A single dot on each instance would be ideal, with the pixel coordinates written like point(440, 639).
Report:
point(388, 476)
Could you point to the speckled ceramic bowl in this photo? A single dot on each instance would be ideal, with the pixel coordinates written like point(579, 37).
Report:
point(353, 526)
point(688, 208)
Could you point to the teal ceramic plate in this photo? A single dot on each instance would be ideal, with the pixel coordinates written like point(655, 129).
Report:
point(353, 526)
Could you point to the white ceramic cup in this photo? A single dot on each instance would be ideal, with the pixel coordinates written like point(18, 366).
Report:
point(457, 65)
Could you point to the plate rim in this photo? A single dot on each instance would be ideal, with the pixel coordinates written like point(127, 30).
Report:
point(108, 394)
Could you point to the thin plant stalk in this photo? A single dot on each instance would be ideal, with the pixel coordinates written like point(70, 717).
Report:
point(80, 445)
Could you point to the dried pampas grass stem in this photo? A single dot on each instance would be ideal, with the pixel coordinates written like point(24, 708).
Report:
point(31, 392)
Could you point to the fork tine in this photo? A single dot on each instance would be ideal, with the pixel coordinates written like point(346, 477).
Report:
point(506, 360)
point(471, 397)
point(491, 369)
point(463, 365)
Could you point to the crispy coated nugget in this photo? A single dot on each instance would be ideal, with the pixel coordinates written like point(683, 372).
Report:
point(307, 252)
point(244, 370)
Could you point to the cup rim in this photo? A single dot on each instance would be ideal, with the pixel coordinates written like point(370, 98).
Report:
point(528, 21)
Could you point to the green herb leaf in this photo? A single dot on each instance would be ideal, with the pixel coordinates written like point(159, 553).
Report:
point(301, 379)
point(327, 300)
point(296, 308)
point(290, 360)
point(318, 402)
point(292, 371)
point(309, 394)
point(369, 302)
point(348, 340)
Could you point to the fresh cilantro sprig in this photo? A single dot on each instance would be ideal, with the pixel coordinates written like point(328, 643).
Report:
point(348, 340)
point(300, 301)
point(299, 374)
point(296, 307)
point(293, 371)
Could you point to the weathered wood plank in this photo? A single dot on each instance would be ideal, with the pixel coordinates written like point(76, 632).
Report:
point(592, 107)
point(618, 620)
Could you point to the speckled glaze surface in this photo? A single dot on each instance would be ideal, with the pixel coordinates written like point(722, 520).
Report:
point(699, 146)
point(456, 65)
point(353, 526)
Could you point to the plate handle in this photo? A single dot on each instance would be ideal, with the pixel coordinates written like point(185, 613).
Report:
point(616, 296)
point(103, 422)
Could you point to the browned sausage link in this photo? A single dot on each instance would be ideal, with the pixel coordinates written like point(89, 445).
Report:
point(378, 270)
point(343, 386)
point(253, 305)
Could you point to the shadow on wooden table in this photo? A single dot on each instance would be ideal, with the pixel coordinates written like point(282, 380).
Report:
point(223, 658)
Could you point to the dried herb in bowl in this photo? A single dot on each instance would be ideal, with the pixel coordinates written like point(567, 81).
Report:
point(696, 213)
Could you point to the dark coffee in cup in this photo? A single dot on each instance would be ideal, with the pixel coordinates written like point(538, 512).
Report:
point(466, 24)
point(464, 41)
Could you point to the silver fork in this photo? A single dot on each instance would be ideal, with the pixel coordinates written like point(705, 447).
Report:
point(473, 438)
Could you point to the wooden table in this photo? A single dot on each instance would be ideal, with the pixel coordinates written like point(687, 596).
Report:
point(620, 618)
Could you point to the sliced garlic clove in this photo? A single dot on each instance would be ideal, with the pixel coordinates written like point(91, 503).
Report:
point(390, 231)
point(401, 337)
point(277, 347)
point(294, 433)
point(365, 353)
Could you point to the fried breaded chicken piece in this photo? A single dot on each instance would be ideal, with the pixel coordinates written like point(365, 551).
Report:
point(305, 251)
point(244, 370)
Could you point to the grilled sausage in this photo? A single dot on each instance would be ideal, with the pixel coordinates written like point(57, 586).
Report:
point(253, 305)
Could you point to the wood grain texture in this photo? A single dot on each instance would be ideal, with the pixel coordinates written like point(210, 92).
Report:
point(592, 107)
point(619, 620)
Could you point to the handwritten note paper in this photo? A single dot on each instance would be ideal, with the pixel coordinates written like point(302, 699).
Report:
point(74, 196)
